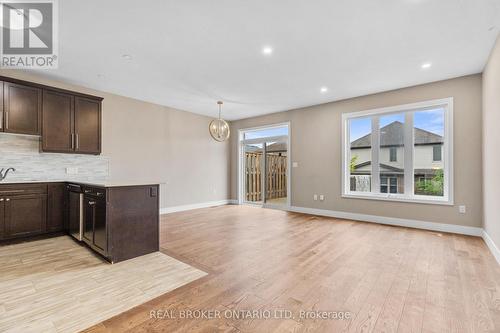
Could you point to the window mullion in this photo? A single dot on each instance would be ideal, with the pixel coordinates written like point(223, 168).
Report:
point(375, 154)
point(409, 152)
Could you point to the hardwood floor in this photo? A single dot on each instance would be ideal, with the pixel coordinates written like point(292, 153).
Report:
point(390, 279)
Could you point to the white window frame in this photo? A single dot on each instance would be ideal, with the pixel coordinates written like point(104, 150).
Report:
point(408, 196)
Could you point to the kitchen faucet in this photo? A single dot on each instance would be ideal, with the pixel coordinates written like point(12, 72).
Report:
point(4, 174)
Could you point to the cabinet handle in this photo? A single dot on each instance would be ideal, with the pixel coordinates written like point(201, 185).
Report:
point(7, 199)
point(6, 119)
point(77, 141)
point(91, 203)
point(1, 199)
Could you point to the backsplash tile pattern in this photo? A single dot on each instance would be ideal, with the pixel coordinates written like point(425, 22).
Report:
point(22, 153)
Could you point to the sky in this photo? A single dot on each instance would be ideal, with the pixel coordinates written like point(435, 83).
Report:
point(430, 120)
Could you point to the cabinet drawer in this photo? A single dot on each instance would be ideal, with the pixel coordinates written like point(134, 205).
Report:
point(19, 189)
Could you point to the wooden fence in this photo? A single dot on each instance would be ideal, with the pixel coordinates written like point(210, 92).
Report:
point(276, 182)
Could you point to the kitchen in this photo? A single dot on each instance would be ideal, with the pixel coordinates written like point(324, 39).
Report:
point(78, 238)
point(117, 220)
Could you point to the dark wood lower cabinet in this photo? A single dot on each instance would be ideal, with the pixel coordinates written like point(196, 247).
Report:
point(119, 223)
point(56, 204)
point(25, 215)
point(2, 217)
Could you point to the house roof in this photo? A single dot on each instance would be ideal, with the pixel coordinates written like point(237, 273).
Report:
point(393, 135)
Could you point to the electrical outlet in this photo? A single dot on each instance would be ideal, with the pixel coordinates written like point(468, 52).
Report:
point(462, 209)
point(315, 197)
point(295, 164)
point(72, 171)
point(321, 197)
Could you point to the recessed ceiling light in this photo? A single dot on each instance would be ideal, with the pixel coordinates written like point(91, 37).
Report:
point(426, 65)
point(267, 50)
point(323, 89)
point(126, 56)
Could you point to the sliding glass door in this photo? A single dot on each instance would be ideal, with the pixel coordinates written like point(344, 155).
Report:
point(276, 178)
point(265, 167)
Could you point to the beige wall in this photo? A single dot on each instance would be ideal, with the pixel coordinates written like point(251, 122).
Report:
point(316, 146)
point(148, 142)
point(491, 144)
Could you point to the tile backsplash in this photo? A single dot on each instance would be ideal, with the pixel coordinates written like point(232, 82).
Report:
point(22, 153)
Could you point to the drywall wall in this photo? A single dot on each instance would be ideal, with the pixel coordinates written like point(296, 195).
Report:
point(316, 146)
point(153, 143)
point(491, 144)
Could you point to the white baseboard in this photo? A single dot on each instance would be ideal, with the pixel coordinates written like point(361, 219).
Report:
point(417, 224)
point(168, 210)
point(457, 229)
point(492, 246)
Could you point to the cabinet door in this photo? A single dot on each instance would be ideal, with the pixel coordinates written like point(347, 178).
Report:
point(88, 219)
point(57, 122)
point(87, 125)
point(100, 237)
point(22, 109)
point(2, 218)
point(56, 201)
point(25, 215)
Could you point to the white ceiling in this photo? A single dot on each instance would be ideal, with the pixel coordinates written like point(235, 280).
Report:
point(188, 54)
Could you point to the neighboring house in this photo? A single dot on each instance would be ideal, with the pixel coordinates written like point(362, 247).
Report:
point(427, 159)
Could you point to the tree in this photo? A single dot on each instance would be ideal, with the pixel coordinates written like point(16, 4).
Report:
point(433, 186)
point(352, 164)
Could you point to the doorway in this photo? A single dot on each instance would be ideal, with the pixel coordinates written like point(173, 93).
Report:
point(265, 166)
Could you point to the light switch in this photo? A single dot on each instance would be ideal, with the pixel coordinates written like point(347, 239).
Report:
point(315, 197)
point(295, 164)
point(462, 209)
point(321, 197)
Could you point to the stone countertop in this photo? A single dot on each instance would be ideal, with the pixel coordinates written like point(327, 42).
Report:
point(98, 183)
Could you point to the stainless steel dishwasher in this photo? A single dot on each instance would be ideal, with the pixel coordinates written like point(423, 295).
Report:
point(75, 208)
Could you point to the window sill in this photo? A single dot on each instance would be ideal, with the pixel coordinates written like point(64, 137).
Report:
point(417, 199)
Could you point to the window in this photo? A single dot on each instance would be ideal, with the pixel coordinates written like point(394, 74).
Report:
point(400, 153)
point(436, 153)
point(394, 154)
point(265, 132)
point(388, 183)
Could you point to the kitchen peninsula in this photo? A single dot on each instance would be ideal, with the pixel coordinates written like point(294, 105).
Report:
point(119, 221)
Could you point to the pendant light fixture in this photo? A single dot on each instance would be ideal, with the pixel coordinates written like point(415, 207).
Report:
point(219, 128)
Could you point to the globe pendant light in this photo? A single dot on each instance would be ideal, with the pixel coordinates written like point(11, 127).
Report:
point(219, 128)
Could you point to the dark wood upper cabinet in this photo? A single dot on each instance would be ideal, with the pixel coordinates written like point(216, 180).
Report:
point(58, 122)
point(68, 121)
point(22, 108)
point(87, 125)
point(56, 204)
